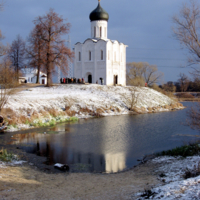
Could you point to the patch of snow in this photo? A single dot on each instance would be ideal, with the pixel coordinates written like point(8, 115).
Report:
point(175, 186)
point(11, 163)
point(58, 165)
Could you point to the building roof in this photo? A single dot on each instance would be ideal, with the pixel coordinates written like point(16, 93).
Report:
point(98, 40)
point(99, 14)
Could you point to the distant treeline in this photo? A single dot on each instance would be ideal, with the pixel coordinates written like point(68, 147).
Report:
point(183, 84)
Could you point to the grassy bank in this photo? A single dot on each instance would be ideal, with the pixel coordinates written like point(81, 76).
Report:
point(184, 151)
point(42, 122)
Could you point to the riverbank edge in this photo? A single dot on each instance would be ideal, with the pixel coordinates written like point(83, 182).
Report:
point(53, 120)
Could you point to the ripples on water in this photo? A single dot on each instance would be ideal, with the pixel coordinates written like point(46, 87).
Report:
point(108, 144)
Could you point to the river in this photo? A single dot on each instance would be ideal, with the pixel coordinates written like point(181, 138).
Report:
point(107, 144)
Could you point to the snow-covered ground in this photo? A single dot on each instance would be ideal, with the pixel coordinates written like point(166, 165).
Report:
point(175, 186)
point(91, 96)
point(82, 101)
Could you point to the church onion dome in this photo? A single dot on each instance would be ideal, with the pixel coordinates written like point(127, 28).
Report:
point(99, 14)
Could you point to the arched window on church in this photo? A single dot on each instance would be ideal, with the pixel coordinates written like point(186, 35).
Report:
point(101, 54)
point(108, 55)
point(95, 31)
point(105, 32)
point(90, 55)
point(79, 56)
point(100, 31)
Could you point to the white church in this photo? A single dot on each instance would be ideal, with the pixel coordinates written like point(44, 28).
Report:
point(99, 59)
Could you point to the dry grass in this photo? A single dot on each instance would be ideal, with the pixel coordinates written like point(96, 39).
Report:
point(118, 109)
point(7, 112)
point(13, 121)
point(70, 113)
point(53, 112)
point(44, 113)
point(98, 112)
point(85, 110)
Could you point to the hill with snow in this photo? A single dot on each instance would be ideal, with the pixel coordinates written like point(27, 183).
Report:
point(83, 101)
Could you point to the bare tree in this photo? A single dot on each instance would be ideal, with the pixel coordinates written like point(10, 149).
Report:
point(56, 52)
point(3, 48)
point(151, 74)
point(16, 54)
point(131, 98)
point(184, 82)
point(141, 72)
point(35, 50)
point(7, 83)
point(169, 87)
point(186, 30)
point(194, 117)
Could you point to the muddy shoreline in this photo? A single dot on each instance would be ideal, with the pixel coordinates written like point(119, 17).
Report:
point(29, 182)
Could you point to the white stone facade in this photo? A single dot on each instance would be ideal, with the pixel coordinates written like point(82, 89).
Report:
point(30, 75)
point(100, 60)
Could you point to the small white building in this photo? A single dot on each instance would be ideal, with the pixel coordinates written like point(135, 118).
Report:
point(30, 75)
point(99, 59)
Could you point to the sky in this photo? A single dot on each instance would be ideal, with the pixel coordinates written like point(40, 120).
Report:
point(144, 25)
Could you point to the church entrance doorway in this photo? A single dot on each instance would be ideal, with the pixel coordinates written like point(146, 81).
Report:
point(115, 79)
point(90, 78)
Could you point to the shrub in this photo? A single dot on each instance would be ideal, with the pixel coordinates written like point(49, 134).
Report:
point(184, 95)
point(192, 173)
point(52, 122)
point(73, 119)
point(5, 156)
point(186, 150)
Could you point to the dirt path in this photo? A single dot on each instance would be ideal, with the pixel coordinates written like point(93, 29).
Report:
point(26, 182)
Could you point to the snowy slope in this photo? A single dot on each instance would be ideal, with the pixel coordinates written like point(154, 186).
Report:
point(40, 105)
point(91, 96)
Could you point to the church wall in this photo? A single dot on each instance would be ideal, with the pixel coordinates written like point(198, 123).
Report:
point(98, 24)
point(100, 61)
point(116, 62)
point(88, 60)
point(77, 63)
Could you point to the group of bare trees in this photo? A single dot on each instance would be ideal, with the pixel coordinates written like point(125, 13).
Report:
point(6, 72)
point(142, 72)
point(187, 30)
point(45, 48)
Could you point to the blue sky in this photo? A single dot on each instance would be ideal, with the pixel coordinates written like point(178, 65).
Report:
point(143, 25)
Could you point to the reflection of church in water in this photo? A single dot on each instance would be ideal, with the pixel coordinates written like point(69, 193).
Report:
point(73, 150)
point(99, 59)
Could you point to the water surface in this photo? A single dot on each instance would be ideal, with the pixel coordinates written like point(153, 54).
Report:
point(108, 144)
